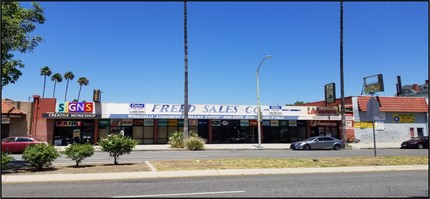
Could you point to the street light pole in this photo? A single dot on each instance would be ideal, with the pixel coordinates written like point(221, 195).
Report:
point(258, 104)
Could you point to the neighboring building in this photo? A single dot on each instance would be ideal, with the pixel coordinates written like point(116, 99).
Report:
point(16, 118)
point(400, 118)
point(416, 90)
point(60, 122)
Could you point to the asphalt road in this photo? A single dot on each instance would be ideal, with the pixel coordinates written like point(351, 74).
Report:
point(364, 184)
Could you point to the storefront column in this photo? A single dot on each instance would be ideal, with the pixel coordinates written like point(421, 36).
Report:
point(308, 129)
point(35, 109)
point(209, 131)
point(96, 130)
point(155, 131)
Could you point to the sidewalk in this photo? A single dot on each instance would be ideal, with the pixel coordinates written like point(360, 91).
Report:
point(195, 173)
point(11, 178)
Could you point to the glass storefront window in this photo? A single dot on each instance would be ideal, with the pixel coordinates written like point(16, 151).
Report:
point(162, 135)
point(138, 134)
point(148, 135)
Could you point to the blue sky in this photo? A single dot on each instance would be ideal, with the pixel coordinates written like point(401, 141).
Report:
point(134, 51)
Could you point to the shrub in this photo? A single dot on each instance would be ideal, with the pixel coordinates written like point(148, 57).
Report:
point(117, 145)
point(40, 155)
point(176, 139)
point(6, 158)
point(79, 152)
point(194, 143)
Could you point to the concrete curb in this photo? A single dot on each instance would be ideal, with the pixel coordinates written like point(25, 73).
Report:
point(196, 173)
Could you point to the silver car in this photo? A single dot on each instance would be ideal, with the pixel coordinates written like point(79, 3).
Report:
point(318, 142)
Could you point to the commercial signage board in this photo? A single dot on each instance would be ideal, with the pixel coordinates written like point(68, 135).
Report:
point(204, 111)
point(403, 118)
point(330, 93)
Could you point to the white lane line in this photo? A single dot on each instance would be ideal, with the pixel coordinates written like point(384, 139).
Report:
point(179, 194)
point(150, 166)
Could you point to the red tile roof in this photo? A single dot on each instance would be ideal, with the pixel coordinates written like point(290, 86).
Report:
point(396, 104)
point(8, 108)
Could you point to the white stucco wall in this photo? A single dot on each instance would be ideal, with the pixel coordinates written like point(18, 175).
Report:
point(391, 133)
point(388, 130)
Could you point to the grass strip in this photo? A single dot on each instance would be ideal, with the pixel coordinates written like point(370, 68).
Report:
point(261, 163)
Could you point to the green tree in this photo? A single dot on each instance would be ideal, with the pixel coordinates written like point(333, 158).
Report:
point(68, 76)
point(295, 103)
point(5, 160)
point(79, 152)
point(117, 145)
point(40, 155)
point(56, 78)
point(82, 81)
point(16, 25)
point(45, 71)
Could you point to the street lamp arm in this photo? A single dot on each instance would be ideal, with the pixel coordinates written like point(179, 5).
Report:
point(268, 56)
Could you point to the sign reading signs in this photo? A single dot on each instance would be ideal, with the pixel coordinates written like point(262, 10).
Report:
point(73, 110)
point(75, 107)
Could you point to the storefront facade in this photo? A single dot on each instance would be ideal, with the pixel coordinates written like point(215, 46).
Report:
point(62, 123)
point(152, 123)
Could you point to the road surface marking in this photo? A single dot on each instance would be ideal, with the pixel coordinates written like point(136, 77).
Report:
point(179, 194)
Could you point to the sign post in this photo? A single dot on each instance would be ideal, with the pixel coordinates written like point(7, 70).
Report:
point(373, 84)
point(372, 110)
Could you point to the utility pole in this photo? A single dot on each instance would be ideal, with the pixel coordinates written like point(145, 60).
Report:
point(185, 135)
point(342, 98)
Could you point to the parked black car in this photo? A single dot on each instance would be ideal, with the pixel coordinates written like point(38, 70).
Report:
point(416, 143)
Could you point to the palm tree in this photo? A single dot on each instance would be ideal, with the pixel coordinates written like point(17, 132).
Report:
point(185, 136)
point(68, 76)
point(56, 78)
point(82, 81)
point(45, 71)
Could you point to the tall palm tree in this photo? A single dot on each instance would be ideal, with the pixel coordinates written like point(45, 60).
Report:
point(185, 136)
point(342, 99)
point(68, 76)
point(82, 81)
point(45, 71)
point(56, 78)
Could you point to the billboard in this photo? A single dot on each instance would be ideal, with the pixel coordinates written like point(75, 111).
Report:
point(330, 93)
point(373, 84)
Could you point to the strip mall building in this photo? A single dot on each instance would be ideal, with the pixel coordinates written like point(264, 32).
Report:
point(60, 122)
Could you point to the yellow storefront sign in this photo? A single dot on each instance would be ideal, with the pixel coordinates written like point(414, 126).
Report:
point(363, 125)
point(404, 118)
